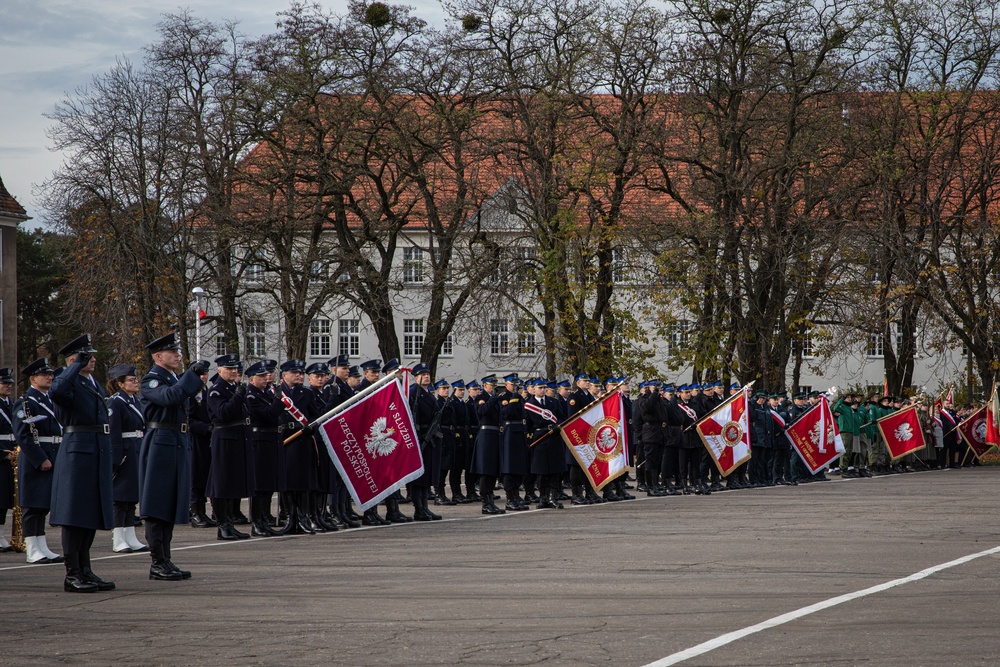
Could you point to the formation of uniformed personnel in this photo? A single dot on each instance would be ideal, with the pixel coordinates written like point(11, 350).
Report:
point(127, 428)
point(165, 455)
point(7, 446)
point(38, 433)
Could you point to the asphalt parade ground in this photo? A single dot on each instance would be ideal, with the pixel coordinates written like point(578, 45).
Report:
point(896, 570)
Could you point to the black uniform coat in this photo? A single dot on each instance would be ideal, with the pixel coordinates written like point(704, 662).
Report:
point(424, 407)
point(165, 455)
point(268, 451)
point(486, 453)
point(301, 459)
point(762, 426)
point(460, 439)
point(547, 456)
point(7, 444)
point(35, 485)
point(445, 451)
point(515, 459)
point(232, 472)
point(125, 416)
point(200, 435)
point(330, 396)
point(82, 490)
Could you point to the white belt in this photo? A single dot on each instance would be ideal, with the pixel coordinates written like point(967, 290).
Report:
point(7, 438)
point(50, 439)
point(132, 434)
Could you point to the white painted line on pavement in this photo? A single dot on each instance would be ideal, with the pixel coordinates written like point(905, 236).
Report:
point(731, 637)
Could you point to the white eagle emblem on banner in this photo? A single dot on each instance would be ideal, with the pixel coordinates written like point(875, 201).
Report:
point(379, 440)
point(903, 432)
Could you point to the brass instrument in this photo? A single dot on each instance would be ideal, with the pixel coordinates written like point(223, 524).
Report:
point(17, 530)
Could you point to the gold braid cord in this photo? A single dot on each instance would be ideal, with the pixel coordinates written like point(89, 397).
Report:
point(17, 530)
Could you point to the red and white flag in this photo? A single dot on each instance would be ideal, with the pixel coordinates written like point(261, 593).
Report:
point(901, 432)
point(598, 440)
point(726, 433)
point(373, 444)
point(815, 437)
point(973, 431)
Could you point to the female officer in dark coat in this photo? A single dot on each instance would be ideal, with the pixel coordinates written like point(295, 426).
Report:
point(82, 492)
point(165, 456)
point(127, 426)
point(38, 433)
point(231, 475)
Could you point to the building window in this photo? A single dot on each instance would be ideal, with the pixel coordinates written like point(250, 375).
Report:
point(448, 346)
point(525, 338)
point(413, 266)
point(876, 345)
point(254, 272)
point(255, 338)
point(413, 338)
point(349, 341)
point(803, 344)
point(499, 337)
point(677, 339)
point(320, 338)
point(319, 269)
point(619, 270)
point(220, 345)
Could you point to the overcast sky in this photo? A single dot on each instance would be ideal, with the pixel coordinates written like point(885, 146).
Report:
point(49, 48)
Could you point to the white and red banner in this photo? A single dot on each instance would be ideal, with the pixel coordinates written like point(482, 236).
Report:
point(373, 443)
point(993, 418)
point(973, 431)
point(815, 437)
point(726, 433)
point(902, 433)
point(598, 440)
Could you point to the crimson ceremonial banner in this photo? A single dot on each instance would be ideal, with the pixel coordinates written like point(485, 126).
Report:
point(815, 437)
point(726, 433)
point(902, 433)
point(973, 431)
point(373, 444)
point(598, 440)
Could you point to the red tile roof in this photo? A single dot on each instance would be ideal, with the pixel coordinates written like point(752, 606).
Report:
point(9, 206)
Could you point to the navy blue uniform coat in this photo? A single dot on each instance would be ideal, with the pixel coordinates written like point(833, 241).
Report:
point(125, 415)
point(35, 485)
point(82, 490)
point(165, 456)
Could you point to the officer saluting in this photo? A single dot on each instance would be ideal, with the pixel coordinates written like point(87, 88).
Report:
point(165, 457)
point(82, 492)
point(38, 434)
point(127, 426)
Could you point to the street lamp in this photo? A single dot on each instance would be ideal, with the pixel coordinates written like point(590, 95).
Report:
point(198, 293)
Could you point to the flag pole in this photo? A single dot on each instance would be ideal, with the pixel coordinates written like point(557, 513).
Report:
point(348, 403)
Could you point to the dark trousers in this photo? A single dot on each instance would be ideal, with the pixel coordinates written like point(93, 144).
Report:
point(158, 536)
point(124, 515)
point(33, 521)
point(511, 484)
point(76, 543)
point(486, 484)
point(670, 466)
